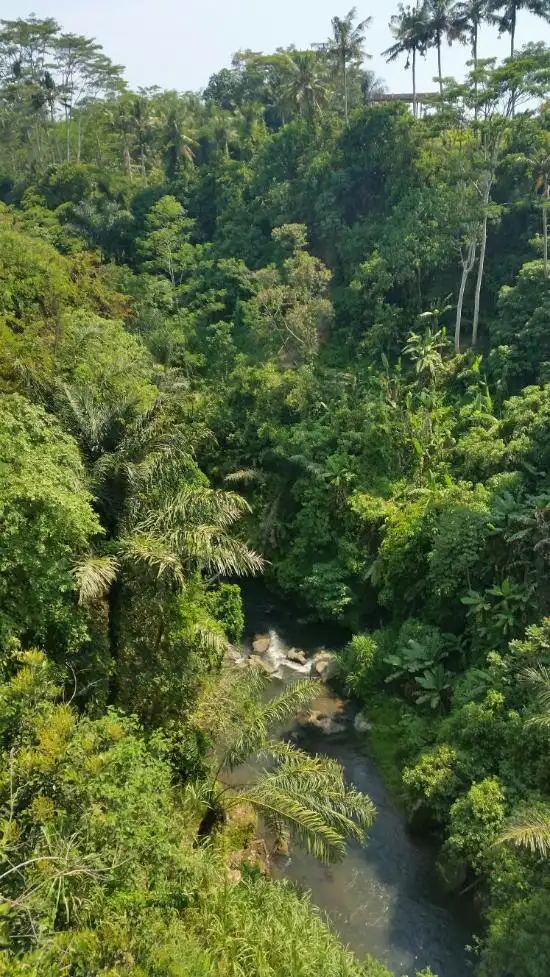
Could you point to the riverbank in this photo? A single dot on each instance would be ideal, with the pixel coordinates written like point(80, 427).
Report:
point(385, 900)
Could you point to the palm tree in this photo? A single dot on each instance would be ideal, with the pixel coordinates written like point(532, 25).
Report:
point(542, 164)
point(531, 829)
point(505, 14)
point(294, 793)
point(410, 29)
point(346, 46)
point(372, 86)
point(157, 518)
point(439, 26)
point(220, 130)
point(306, 88)
point(179, 142)
point(467, 17)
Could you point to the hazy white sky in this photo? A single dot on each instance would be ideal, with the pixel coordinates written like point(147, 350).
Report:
point(180, 43)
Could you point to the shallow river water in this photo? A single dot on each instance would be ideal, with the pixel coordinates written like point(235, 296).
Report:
point(384, 899)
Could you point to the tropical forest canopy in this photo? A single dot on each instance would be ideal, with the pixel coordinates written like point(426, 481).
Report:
point(286, 325)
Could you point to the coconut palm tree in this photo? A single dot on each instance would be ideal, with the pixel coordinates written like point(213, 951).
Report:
point(438, 14)
point(410, 30)
point(505, 14)
point(467, 17)
point(306, 87)
point(294, 793)
point(346, 46)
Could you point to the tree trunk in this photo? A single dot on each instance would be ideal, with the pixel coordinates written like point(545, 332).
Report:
point(513, 51)
point(474, 57)
point(345, 89)
point(482, 252)
point(127, 162)
point(467, 265)
point(68, 135)
point(414, 81)
point(545, 223)
point(439, 66)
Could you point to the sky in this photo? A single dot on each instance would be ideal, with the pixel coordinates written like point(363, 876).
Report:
point(179, 43)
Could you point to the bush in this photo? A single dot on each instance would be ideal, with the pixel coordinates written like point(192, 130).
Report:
point(361, 665)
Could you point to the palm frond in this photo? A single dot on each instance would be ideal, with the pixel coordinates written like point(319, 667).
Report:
point(93, 577)
point(538, 678)
point(196, 523)
point(308, 796)
point(529, 830)
point(208, 640)
point(155, 555)
point(245, 475)
point(306, 826)
point(291, 701)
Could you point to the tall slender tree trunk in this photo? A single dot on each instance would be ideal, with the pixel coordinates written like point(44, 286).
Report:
point(414, 81)
point(545, 223)
point(467, 265)
point(439, 66)
point(482, 252)
point(127, 162)
point(513, 51)
point(474, 58)
point(345, 67)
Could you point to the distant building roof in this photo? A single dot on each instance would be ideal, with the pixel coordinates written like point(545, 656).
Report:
point(402, 97)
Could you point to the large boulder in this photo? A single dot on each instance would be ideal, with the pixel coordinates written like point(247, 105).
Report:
point(261, 644)
point(295, 655)
point(328, 725)
point(325, 666)
point(260, 665)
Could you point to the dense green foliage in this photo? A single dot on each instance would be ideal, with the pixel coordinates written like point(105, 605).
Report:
point(225, 330)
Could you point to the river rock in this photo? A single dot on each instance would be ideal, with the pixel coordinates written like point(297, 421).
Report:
point(281, 845)
point(260, 665)
point(235, 656)
point(324, 666)
point(261, 644)
point(361, 724)
point(295, 655)
point(327, 724)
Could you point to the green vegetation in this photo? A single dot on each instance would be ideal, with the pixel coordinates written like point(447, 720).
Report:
point(279, 326)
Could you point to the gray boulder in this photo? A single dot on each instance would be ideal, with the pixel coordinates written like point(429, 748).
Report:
point(324, 666)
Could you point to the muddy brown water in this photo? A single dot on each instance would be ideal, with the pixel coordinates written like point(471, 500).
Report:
point(384, 899)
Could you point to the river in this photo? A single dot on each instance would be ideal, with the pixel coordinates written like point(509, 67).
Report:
point(385, 898)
